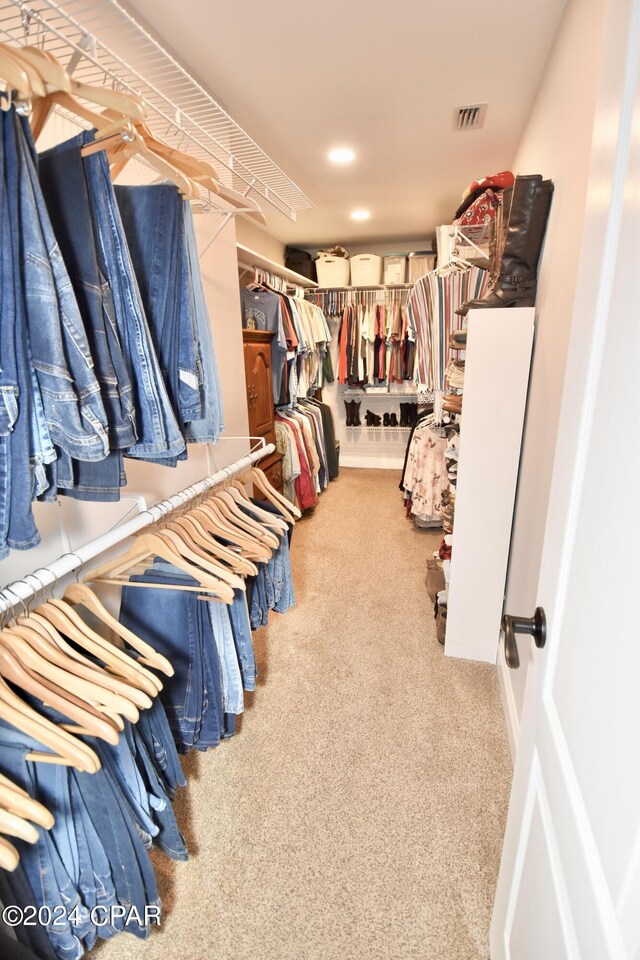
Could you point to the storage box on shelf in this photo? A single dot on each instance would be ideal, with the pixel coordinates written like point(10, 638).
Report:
point(419, 263)
point(395, 268)
point(333, 271)
point(366, 270)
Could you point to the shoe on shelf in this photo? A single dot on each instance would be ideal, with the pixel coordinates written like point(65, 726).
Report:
point(412, 414)
point(515, 279)
point(355, 414)
point(348, 406)
point(385, 420)
point(404, 414)
point(373, 420)
point(393, 420)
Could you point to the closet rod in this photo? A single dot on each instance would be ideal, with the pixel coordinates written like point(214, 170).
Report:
point(24, 591)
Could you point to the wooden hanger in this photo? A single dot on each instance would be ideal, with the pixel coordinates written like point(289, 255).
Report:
point(16, 800)
point(11, 825)
point(200, 545)
point(150, 545)
point(9, 856)
point(62, 89)
point(187, 549)
point(15, 77)
point(286, 508)
point(66, 620)
point(65, 748)
point(250, 548)
point(111, 694)
point(236, 531)
point(125, 144)
point(237, 490)
point(272, 520)
point(43, 680)
point(202, 522)
point(82, 594)
point(142, 677)
point(36, 84)
point(230, 509)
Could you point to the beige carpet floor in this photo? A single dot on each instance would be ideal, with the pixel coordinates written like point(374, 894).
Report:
point(359, 812)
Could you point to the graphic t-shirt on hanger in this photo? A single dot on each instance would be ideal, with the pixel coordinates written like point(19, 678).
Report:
point(261, 311)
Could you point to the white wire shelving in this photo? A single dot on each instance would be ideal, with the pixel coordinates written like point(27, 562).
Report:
point(100, 42)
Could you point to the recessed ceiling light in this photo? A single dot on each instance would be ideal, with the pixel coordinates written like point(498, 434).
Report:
point(360, 215)
point(341, 155)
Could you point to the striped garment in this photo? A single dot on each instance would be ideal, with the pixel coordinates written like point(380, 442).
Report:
point(432, 318)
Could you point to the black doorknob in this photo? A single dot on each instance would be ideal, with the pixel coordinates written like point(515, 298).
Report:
point(535, 627)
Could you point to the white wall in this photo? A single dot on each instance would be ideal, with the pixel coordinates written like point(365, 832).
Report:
point(557, 143)
point(71, 523)
point(259, 239)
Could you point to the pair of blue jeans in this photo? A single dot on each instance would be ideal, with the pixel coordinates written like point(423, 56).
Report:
point(272, 588)
point(209, 428)
point(153, 218)
point(159, 435)
point(65, 189)
point(93, 855)
point(177, 624)
point(47, 368)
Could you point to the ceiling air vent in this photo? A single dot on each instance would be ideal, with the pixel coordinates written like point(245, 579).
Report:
point(470, 117)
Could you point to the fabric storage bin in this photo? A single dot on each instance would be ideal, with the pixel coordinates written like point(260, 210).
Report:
point(366, 270)
point(300, 262)
point(420, 262)
point(395, 267)
point(333, 271)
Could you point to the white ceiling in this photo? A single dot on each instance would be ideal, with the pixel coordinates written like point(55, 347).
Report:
point(303, 77)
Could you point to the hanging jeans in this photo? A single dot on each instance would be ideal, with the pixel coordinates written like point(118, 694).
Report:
point(177, 624)
point(154, 224)
point(209, 428)
point(65, 190)
point(158, 431)
point(47, 368)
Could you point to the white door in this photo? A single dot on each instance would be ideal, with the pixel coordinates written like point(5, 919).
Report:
point(569, 884)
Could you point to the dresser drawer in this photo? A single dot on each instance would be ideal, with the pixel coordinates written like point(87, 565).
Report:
point(272, 468)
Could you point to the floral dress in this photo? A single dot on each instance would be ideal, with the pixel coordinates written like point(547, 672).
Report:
point(426, 476)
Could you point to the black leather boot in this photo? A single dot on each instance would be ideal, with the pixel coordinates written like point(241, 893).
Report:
point(373, 420)
point(412, 414)
point(515, 283)
point(368, 418)
point(376, 420)
point(348, 407)
point(385, 420)
point(355, 414)
point(404, 414)
point(393, 420)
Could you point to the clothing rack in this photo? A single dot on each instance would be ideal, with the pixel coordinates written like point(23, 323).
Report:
point(101, 43)
point(334, 300)
point(18, 593)
point(281, 276)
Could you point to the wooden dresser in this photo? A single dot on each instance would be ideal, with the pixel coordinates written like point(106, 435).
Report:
point(257, 369)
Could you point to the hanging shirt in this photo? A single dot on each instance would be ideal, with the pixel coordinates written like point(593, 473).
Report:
point(261, 311)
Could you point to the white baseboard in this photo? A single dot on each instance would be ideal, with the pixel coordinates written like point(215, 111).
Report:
point(376, 463)
point(509, 705)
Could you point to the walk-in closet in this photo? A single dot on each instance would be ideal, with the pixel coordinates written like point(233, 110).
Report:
point(319, 376)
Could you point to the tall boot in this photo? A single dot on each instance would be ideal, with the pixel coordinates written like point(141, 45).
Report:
point(412, 414)
point(515, 283)
point(348, 406)
point(355, 414)
point(404, 418)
